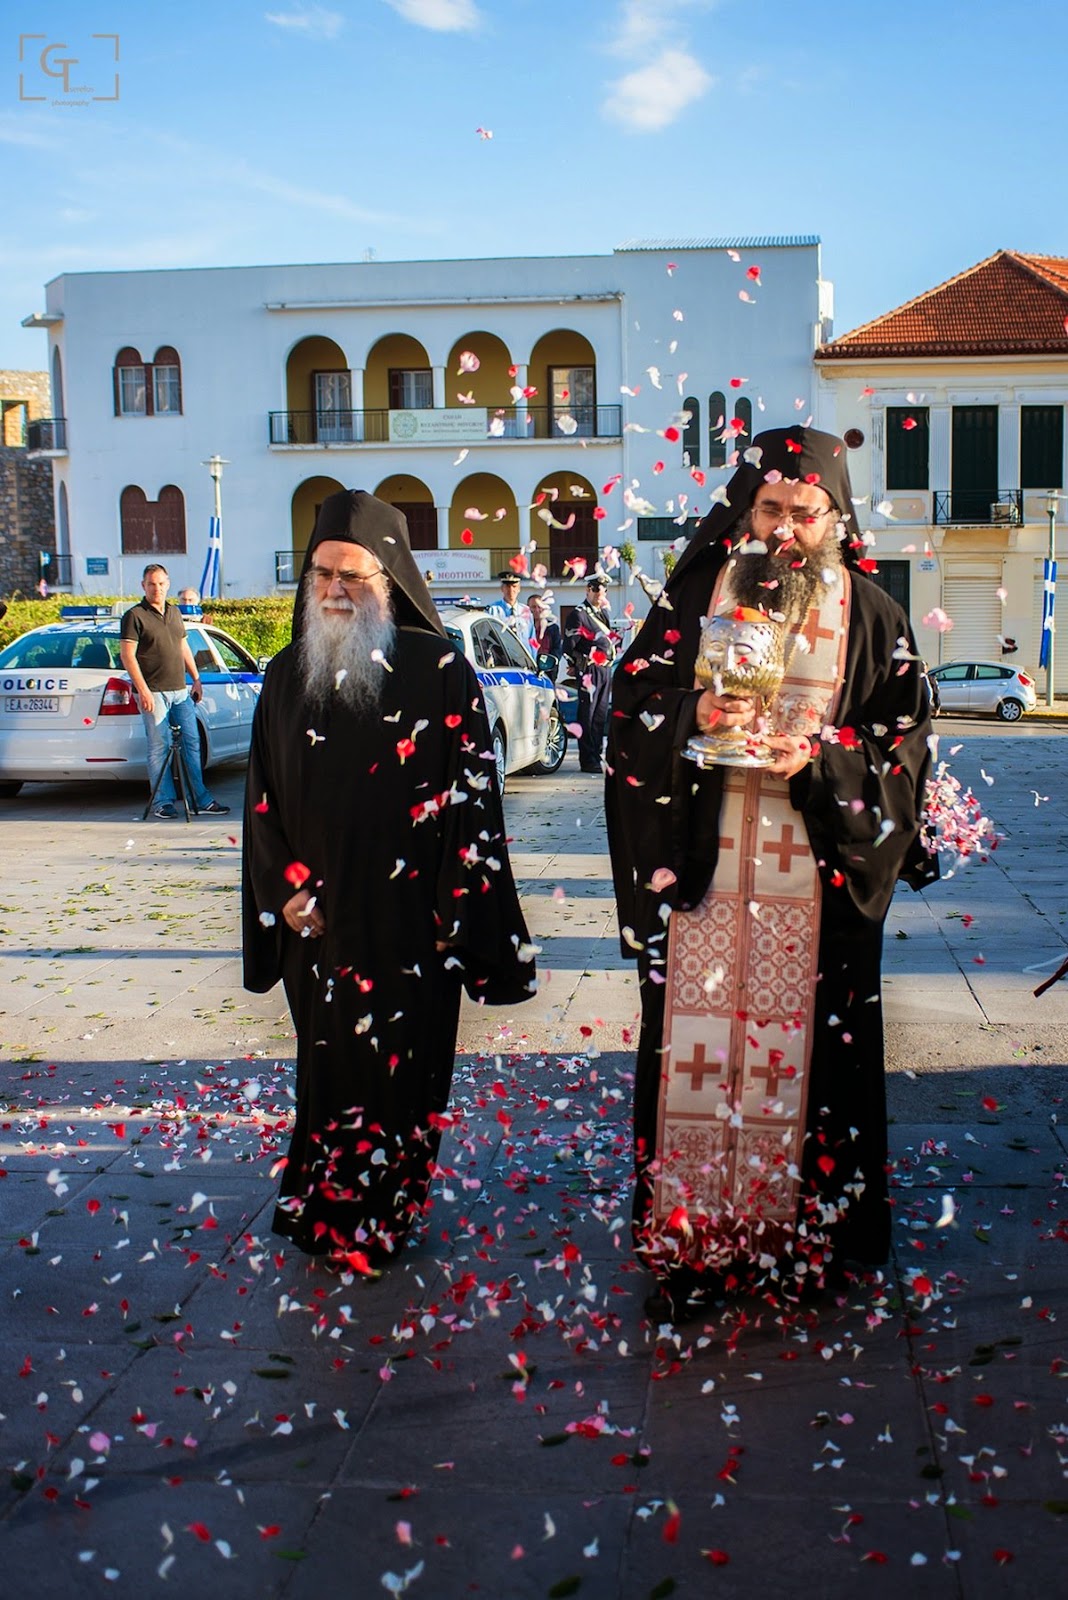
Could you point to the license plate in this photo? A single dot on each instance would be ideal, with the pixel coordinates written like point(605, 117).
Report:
point(32, 702)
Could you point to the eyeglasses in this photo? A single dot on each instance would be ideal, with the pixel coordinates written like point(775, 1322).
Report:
point(803, 516)
point(346, 579)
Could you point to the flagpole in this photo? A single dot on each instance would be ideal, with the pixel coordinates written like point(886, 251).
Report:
point(1051, 512)
point(215, 466)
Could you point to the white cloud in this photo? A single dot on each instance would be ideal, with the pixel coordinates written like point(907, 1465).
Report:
point(645, 23)
point(443, 16)
point(653, 97)
point(315, 22)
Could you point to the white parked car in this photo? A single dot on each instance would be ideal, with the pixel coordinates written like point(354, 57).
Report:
point(985, 687)
point(68, 710)
point(526, 723)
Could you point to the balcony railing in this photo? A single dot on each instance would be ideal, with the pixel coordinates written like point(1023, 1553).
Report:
point(46, 433)
point(287, 565)
point(55, 568)
point(979, 507)
point(444, 425)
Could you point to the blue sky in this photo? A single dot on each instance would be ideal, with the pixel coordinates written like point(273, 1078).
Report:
point(914, 138)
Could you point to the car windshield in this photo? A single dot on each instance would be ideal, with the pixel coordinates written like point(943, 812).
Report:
point(40, 650)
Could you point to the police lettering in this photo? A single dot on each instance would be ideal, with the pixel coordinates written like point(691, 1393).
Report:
point(36, 684)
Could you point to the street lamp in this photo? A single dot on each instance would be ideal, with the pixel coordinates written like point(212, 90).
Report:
point(215, 466)
point(1049, 596)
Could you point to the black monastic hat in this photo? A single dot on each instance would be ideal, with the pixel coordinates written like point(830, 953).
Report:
point(357, 517)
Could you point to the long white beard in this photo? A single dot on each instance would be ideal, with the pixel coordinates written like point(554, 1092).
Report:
point(343, 648)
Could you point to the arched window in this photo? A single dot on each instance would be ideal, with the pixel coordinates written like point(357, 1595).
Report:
point(63, 526)
point(167, 382)
point(691, 437)
point(57, 384)
point(743, 413)
point(717, 421)
point(128, 375)
point(152, 527)
point(147, 389)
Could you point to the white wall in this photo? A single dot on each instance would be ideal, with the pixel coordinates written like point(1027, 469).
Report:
point(233, 354)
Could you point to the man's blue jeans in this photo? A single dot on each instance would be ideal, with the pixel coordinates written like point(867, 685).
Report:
point(174, 705)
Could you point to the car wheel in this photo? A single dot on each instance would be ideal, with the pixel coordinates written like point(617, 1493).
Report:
point(203, 738)
point(499, 752)
point(1010, 711)
point(10, 788)
point(555, 745)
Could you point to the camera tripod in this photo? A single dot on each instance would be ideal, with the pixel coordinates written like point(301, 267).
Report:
point(179, 772)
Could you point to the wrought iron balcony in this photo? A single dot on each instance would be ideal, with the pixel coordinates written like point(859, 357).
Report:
point(979, 507)
point(46, 433)
point(451, 425)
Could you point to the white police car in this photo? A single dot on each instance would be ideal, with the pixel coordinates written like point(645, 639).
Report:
point(68, 710)
point(526, 723)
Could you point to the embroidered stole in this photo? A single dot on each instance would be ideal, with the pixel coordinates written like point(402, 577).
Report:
point(741, 981)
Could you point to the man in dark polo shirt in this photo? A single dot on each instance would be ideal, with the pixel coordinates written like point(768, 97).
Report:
point(156, 654)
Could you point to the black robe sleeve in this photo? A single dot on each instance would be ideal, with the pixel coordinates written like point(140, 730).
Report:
point(266, 852)
point(478, 912)
point(862, 797)
point(402, 849)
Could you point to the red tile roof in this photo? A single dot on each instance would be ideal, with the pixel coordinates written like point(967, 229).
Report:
point(1009, 304)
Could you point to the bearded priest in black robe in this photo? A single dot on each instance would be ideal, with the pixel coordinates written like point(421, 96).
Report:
point(754, 897)
point(376, 879)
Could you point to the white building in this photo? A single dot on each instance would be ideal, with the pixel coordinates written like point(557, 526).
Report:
point(954, 404)
point(506, 406)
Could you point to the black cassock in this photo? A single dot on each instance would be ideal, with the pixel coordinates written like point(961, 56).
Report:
point(401, 831)
point(663, 812)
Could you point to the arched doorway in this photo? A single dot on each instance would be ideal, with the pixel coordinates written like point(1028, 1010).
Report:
point(476, 521)
point(563, 523)
point(318, 394)
point(412, 497)
point(489, 383)
point(563, 369)
point(398, 376)
point(304, 508)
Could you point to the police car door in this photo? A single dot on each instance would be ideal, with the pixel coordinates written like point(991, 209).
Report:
point(246, 679)
point(527, 691)
point(220, 707)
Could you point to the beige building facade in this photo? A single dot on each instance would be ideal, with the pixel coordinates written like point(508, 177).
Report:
point(954, 409)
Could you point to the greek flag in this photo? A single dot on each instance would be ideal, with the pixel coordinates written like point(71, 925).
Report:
point(209, 583)
point(1049, 595)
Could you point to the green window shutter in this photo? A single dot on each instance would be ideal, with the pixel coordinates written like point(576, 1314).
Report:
point(908, 439)
point(1041, 447)
point(691, 438)
point(717, 421)
point(743, 413)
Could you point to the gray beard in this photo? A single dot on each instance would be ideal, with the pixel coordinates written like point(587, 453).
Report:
point(337, 649)
point(785, 585)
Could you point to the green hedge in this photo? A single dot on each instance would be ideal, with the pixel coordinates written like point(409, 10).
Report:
point(262, 625)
